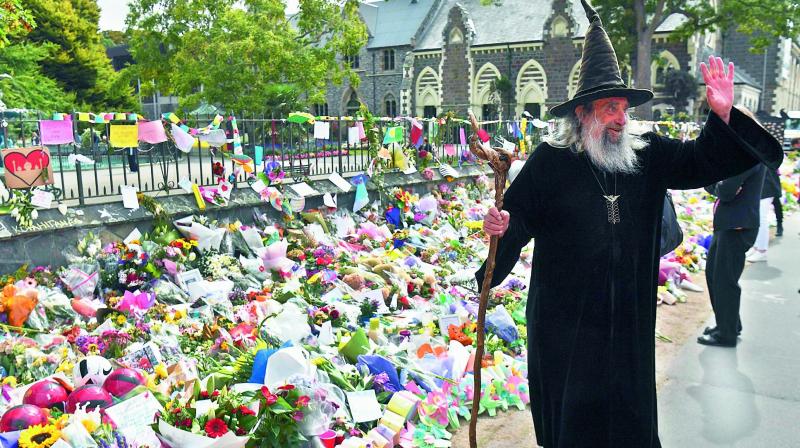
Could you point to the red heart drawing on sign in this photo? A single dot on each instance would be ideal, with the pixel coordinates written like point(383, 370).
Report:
point(27, 167)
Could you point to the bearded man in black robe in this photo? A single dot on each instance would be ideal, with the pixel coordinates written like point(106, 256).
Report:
point(591, 198)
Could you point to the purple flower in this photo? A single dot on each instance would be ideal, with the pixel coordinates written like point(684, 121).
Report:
point(515, 284)
point(381, 383)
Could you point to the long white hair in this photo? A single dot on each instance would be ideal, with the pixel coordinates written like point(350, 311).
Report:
point(612, 157)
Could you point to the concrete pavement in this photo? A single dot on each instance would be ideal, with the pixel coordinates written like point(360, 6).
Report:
point(748, 396)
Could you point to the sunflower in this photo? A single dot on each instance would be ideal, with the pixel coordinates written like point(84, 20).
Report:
point(39, 436)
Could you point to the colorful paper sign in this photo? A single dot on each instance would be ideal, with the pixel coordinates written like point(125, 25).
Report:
point(393, 135)
point(152, 132)
point(124, 136)
point(258, 157)
point(27, 167)
point(56, 132)
point(183, 140)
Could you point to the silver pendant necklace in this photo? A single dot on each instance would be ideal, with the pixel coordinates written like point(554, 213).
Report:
point(612, 200)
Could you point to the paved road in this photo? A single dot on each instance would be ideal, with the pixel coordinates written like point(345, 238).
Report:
point(748, 396)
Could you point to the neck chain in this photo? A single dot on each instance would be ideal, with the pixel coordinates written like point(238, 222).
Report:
point(612, 200)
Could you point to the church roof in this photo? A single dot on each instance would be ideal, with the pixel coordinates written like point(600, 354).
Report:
point(509, 21)
point(506, 21)
point(395, 22)
point(740, 76)
point(672, 21)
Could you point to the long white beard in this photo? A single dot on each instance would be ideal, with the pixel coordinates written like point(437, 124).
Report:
point(610, 156)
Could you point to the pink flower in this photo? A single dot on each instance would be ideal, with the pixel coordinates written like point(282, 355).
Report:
point(302, 401)
point(298, 416)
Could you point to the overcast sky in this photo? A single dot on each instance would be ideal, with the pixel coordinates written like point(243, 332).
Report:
point(113, 13)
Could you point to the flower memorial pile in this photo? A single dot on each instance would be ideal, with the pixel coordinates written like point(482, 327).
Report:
point(329, 329)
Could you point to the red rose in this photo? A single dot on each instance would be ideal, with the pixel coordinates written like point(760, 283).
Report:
point(204, 395)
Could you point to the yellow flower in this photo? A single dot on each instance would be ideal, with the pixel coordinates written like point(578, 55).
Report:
point(223, 346)
point(94, 349)
point(121, 319)
point(318, 361)
point(161, 370)
point(66, 367)
point(39, 436)
point(62, 421)
point(152, 385)
point(90, 425)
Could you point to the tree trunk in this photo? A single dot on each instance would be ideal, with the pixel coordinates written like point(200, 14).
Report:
point(644, 48)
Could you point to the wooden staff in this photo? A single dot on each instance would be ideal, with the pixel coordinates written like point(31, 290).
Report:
point(500, 162)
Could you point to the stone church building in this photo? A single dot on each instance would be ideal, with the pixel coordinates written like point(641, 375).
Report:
point(427, 57)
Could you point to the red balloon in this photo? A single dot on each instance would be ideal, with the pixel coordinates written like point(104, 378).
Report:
point(21, 417)
point(90, 396)
point(122, 381)
point(46, 394)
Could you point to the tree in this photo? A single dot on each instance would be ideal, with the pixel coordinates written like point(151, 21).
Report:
point(14, 21)
point(680, 86)
point(78, 60)
point(243, 55)
point(28, 87)
point(25, 87)
point(113, 38)
point(501, 88)
point(632, 23)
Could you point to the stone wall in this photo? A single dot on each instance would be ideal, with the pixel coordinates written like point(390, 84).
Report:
point(376, 83)
point(736, 47)
point(54, 235)
point(456, 68)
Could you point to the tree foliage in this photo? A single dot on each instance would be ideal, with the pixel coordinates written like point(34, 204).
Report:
point(14, 21)
point(28, 87)
point(112, 38)
point(77, 59)
point(632, 23)
point(243, 55)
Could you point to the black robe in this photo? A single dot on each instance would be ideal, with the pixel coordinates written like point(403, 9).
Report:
point(592, 299)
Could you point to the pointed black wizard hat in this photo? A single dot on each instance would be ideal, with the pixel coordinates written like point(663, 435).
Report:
point(599, 76)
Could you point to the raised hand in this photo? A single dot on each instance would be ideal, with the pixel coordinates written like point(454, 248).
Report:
point(719, 86)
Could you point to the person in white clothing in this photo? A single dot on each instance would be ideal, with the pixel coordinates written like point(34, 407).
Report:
point(771, 189)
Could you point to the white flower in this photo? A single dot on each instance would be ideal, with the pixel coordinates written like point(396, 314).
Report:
point(15, 212)
point(35, 214)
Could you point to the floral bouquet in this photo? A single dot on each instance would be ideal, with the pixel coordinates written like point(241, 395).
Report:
point(280, 413)
point(216, 419)
point(327, 313)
